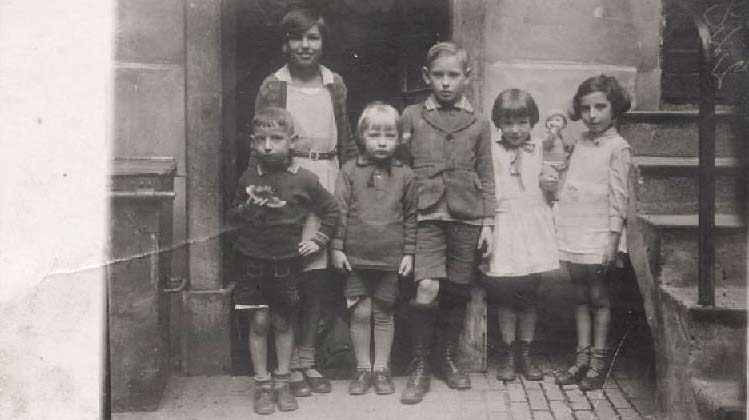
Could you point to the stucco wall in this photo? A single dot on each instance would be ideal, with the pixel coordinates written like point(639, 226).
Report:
point(549, 47)
point(149, 93)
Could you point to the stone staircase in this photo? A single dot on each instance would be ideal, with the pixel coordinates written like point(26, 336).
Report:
point(700, 351)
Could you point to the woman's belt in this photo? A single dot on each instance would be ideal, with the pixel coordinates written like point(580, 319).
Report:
point(315, 155)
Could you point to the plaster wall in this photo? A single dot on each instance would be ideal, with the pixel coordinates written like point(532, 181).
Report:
point(149, 94)
point(549, 47)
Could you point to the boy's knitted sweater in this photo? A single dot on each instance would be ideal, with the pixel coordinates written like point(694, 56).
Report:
point(273, 229)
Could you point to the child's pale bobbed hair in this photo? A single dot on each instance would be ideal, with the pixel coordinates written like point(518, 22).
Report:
point(447, 48)
point(375, 109)
point(273, 117)
point(297, 21)
point(609, 86)
point(514, 103)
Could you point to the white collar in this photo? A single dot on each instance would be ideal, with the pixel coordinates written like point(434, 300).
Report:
point(283, 74)
point(293, 168)
point(431, 104)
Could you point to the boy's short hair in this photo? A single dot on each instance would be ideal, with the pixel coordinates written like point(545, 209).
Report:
point(374, 108)
point(448, 48)
point(609, 86)
point(297, 21)
point(514, 103)
point(273, 117)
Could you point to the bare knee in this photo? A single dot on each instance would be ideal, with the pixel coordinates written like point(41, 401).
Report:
point(382, 313)
point(427, 291)
point(361, 312)
point(281, 323)
point(599, 298)
point(260, 322)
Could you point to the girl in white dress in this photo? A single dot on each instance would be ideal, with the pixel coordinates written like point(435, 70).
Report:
point(524, 241)
point(590, 222)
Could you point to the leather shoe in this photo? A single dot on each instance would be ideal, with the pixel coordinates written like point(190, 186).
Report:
point(300, 388)
point(319, 384)
point(262, 398)
point(284, 397)
point(383, 383)
point(361, 382)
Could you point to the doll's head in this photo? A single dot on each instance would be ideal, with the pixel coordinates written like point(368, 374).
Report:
point(556, 121)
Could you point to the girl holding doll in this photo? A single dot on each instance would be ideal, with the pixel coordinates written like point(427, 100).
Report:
point(524, 239)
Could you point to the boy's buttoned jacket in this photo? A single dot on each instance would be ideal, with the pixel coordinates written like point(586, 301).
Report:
point(450, 152)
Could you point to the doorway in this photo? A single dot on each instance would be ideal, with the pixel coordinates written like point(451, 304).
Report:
point(377, 47)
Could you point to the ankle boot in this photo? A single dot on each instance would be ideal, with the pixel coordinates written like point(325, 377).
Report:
point(576, 372)
point(452, 317)
point(422, 332)
point(506, 369)
point(418, 380)
point(451, 372)
point(530, 371)
point(598, 372)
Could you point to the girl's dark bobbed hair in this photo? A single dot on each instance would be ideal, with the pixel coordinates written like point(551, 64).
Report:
point(609, 86)
point(514, 103)
point(297, 21)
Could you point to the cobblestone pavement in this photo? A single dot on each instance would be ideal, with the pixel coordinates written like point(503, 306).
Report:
point(626, 396)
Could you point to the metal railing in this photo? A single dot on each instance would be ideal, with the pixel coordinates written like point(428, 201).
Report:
point(706, 197)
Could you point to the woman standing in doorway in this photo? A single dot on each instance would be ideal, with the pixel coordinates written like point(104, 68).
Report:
point(316, 97)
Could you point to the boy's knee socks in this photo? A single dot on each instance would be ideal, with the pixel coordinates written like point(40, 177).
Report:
point(423, 318)
point(302, 357)
point(452, 313)
point(384, 331)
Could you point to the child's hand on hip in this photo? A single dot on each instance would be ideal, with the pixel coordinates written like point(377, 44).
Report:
point(308, 248)
point(407, 265)
point(486, 239)
point(339, 260)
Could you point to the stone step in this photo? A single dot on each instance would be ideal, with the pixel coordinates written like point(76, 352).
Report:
point(675, 133)
point(669, 185)
point(720, 399)
point(676, 259)
point(715, 336)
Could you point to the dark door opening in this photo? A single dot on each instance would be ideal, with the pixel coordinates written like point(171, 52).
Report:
point(378, 47)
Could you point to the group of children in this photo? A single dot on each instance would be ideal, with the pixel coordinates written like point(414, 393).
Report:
point(424, 196)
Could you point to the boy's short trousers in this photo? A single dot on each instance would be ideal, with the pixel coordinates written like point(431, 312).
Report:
point(379, 284)
point(267, 282)
point(517, 292)
point(446, 250)
point(318, 283)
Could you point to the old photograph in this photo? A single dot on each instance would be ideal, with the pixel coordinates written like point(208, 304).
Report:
point(418, 209)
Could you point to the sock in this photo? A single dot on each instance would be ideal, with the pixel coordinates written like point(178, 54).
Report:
point(384, 332)
point(294, 364)
point(451, 317)
point(264, 378)
point(361, 332)
point(307, 360)
point(423, 319)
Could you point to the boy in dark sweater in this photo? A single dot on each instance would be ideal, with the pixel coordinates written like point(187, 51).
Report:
point(272, 202)
point(375, 241)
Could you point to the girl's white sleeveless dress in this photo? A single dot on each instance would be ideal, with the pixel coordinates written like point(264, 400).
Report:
point(314, 122)
point(524, 235)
